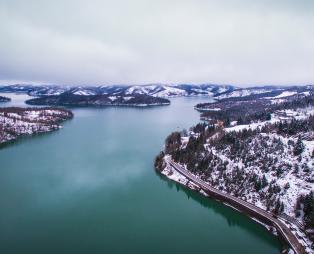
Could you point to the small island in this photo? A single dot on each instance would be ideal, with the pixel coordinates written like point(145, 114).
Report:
point(4, 99)
point(70, 99)
point(18, 122)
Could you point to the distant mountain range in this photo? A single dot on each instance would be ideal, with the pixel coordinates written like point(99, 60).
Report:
point(155, 90)
point(146, 95)
point(274, 92)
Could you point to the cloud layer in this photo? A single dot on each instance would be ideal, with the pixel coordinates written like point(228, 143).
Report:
point(136, 41)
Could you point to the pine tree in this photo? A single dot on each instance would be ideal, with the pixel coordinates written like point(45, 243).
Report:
point(258, 184)
point(277, 206)
point(268, 116)
point(227, 122)
point(309, 210)
point(282, 207)
point(264, 182)
point(299, 147)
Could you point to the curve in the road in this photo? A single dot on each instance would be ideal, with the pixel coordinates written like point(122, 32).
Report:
point(249, 208)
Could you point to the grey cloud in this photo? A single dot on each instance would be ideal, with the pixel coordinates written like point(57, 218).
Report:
point(104, 42)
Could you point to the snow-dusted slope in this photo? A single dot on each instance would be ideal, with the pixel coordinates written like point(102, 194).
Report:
point(16, 122)
point(268, 92)
point(161, 90)
point(169, 91)
point(259, 151)
point(246, 92)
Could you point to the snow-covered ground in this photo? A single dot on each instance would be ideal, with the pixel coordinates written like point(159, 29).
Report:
point(285, 94)
point(263, 168)
point(298, 185)
point(280, 115)
point(174, 175)
point(271, 92)
point(23, 122)
point(245, 92)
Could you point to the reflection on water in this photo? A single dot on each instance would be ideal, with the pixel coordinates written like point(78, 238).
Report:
point(233, 217)
point(17, 99)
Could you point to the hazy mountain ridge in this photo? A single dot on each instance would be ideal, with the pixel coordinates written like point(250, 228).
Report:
point(264, 91)
point(156, 90)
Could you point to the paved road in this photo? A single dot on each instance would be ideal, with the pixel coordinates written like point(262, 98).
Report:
point(281, 227)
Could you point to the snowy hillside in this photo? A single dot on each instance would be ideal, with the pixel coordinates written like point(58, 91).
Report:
point(258, 151)
point(161, 90)
point(265, 92)
point(246, 92)
point(16, 122)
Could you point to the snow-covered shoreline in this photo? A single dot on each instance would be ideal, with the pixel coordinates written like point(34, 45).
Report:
point(17, 122)
point(175, 176)
point(255, 152)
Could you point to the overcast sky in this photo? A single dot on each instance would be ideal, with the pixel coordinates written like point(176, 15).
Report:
point(242, 42)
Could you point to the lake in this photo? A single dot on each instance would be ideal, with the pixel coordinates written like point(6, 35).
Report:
point(91, 188)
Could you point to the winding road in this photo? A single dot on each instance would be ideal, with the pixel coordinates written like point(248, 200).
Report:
point(283, 230)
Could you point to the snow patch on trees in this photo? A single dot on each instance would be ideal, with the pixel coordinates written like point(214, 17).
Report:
point(16, 122)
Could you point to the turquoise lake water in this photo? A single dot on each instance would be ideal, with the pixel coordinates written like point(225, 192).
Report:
point(91, 188)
